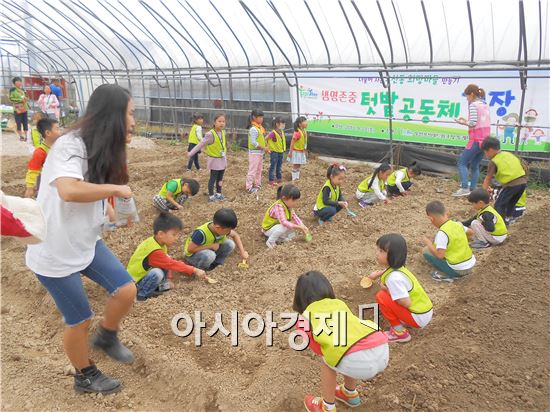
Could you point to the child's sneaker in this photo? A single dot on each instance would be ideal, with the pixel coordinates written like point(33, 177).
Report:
point(353, 400)
point(270, 245)
point(315, 404)
point(220, 197)
point(441, 277)
point(479, 244)
point(394, 336)
point(461, 192)
point(212, 198)
point(321, 222)
point(252, 190)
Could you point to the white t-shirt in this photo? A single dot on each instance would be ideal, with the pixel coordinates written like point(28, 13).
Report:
point(399, 176)
point(380, 194)
point(441, 241)
point(399, 285)
point(73, 228)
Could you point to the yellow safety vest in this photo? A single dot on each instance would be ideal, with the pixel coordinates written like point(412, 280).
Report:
point(393, 178)
point(364, 185)
point(218, 147)
point(164, 190)
point(500, 225)
point(138, 265)
point(193, 138)
point(335, 328)
point(36, 137)
point(269, 221)
point(279, 145)
point(522, 200)
point(458, 250)
point(301, 143)
point(210, 238)
point(260, 139)
point(420, 302)
point(509, 167)
point(334, 195)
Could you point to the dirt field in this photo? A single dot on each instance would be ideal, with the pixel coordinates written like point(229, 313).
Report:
point(486, 348)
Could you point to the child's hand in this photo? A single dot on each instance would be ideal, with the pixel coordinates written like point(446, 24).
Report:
point(427, 241)
point(304, 229)
point(29, 192)
point(343, 204)
point(387, 201)
point(180, 207)
point(199, 273)
point(214, 246)
point(123, 191)
point(245, 255)
point(376, 274)
point(187, 154)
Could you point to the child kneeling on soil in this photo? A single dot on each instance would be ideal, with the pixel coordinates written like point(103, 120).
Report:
point(210, 244)
point(330, 199)
point(399, 182)
point(174, 193)
point(450, 252)
point(373, 188)
point(402, 299)
point(150, 264)
point(280, 221)
point(361, 356)
point(487, 226)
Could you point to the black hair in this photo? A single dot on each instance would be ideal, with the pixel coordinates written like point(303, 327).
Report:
point(16, 79)
point(384, 167)
point(289, 191)
point(490, 143)
point(197, 116)
point(166, 221)
point(479, 194)
point(435, 208)
point(216, 117)
point(277, 120)
point(253, 114)
point(193, 185)
point(103, 130)
point(226, 218)
point(415, 168)
point(311, 287)
point(396, 248)
point(298, 121)
point(335, 169)
point(45, 124)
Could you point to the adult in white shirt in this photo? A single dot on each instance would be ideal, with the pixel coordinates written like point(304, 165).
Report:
point(48, 103)
point(83, 169)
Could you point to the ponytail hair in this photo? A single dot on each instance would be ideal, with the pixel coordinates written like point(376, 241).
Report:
point(413, 167)
point(289, 191)
point(197, 116)
point(335, 169)
point(476, 90)
point(253, 114)
point(298, 121)
point(276, 120)
point(384, 167)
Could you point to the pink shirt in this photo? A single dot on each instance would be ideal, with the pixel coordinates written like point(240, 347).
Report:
point(482, 127)
point(278, 212)
point(48, 103)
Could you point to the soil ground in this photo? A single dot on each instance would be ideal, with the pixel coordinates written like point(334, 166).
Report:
point(486, 348)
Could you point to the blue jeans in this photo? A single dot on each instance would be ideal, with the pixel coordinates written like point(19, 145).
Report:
point(472, 157)
point(205, 258)
point(150, 282)
point(68, 292)
point(327, 213)
point(440, 264)
point(276, 166)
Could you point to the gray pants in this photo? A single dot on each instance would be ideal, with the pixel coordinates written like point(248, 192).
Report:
point(481, 233)
point(163, 204)
point(205, 258)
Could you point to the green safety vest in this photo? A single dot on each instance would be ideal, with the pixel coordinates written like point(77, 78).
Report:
point(500, 225)
point(193, 138)
point(522, 200)
point(279, 145)
point(420, 302)
point(335, 328)
point(364, 185)
point(392, 179)
point(458, 250)
point(218, 147)
point(301, 143)
point(164, 190)
point(334, 195)
point(260, 139)
point(209, 236)
point(138, 266)
point(36, 137)
point(269, 221)
point(509, 167)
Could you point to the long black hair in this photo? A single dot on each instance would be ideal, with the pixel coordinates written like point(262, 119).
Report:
point(103, 130)
point(289, 191)
point(335, 169)
point(384, 167)
point(311, 287)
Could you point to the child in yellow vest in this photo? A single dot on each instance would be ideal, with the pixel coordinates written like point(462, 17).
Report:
point(276, 142)
point(487, 226)
point(401, 298)
point(399, 182)
point(373, 188)
point(49, 130)
point(150, 266)
point(330, 199)
point(257, 146)
point(174, 193)
point(358, 351)
point(450, 252)
point(210, 244)
point(195, 136)
point(215, 146)
point(36, 137)
point(280, 220)
point(297, 154)
point(508, 170)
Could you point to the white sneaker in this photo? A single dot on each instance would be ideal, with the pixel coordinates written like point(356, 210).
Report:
point(270, 244)
point(461, 192)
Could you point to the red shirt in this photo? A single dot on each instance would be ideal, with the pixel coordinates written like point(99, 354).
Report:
point(159, 259)
point(37, 160)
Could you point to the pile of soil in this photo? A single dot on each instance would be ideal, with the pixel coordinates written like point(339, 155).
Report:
point(486, 348)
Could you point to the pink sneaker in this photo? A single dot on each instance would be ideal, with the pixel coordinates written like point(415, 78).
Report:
point(315, 404)
point(394, 336)
point(352, 401)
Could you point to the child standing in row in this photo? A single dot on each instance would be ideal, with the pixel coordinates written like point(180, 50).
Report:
point(195, 137)
point(330, 199)
point(256, 149)
point(373, 188)
point(449, 252)
point(216, 152)
point(399, 182)
point(297, 154)
point(174, 193)
point(276, 142)
point(150, 264)
point(358, 351)
point(402, 299)
point(280, 221)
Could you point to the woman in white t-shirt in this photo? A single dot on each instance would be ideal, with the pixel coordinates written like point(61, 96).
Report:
point(402, 300)
point(84, 168)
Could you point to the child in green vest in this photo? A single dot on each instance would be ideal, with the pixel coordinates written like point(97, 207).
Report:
point(508, 170)
point(297, 154)
point(358, 351)
point(399, 182)
point(280, 220)
point(401, 298)
point(373, 188)
point(195, 137)
point(256, 148)
point(487, 226)
point(210, 244)
point(174, 193)
point(276, 142)
point(450, 252)
point(150, 264)
point(49, 130)
point(330, 199)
